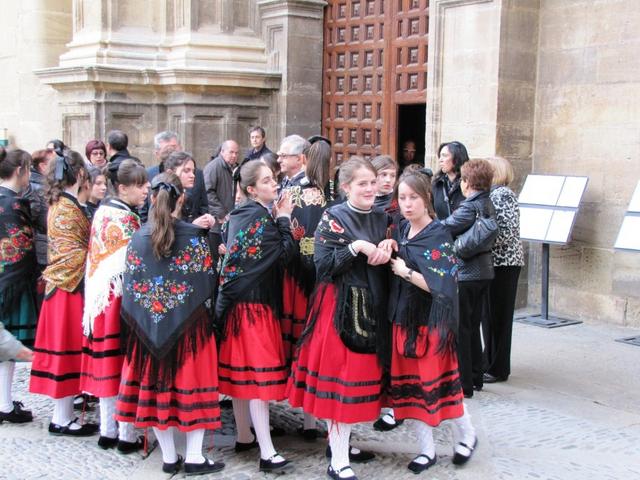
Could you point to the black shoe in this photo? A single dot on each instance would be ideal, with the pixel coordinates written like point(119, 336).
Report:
point(82, 402)
point(275, 432)
point(226, 403)
point(17, 415)
point(308, 434)
point(461, 458)
point(85, 430)
point(360, 457)
point(208, 466)
point(417, 467)
point(107, 442)
point(468, 394)
point(271, 466)
point(172, 467)
point(243, 447)
point(336, 474)
point(488, 378)
point(130, 447)
point(478, 388)
point(384, 426)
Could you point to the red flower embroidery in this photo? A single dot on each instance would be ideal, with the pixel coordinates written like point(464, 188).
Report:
point(157, 306)
point(335, 227)
point(187, 257)
point(435, 254)
point(252, 250)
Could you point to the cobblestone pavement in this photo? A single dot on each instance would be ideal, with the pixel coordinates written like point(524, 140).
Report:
point(571, 410)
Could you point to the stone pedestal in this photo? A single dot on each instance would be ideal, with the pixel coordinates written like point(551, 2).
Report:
point(208, 69)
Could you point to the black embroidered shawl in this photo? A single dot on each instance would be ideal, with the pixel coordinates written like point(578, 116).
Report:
point(17, 251)
point(257, 248)
point(309, 203)
point(431, 253)
point(361, 288)
point(167, 303)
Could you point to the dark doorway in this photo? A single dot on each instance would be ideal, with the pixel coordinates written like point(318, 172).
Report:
point(411, 126)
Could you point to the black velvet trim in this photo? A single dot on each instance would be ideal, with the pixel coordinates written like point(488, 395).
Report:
point(53, 352)
point(336, 396)
point(56, 378)
point(105, 354)
point(268, 383)
point(413, 390)
point(324, 378)
point(279, 368)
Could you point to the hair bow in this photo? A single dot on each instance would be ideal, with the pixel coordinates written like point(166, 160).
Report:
point(62, 167)
point(169, 187)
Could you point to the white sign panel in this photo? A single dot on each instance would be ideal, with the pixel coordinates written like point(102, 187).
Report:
point(534, 223)
point(572, 191)
point(629, 235)
point(634, 206)
point(541, 189)
point(560, 226)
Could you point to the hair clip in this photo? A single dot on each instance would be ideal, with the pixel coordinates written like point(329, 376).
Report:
point(316, 138)
point(169, 187)
point(62, 167)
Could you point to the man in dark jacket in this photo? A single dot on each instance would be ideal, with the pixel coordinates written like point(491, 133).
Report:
point(117, 143)
point(258, 139)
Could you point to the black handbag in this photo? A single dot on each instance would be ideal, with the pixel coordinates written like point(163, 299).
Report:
point(479, 238)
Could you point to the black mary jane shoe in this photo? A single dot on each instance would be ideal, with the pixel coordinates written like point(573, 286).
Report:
point(270, 466)
point(335, 474)
point(130, 447)
point(382, 425)
point(17, 415)
point(361, 456)
point(418, 467)
point(172, 467)
point(308, 434)
point(84, 402)
point(107, 442)
point(85, 430)
point(208, 466)
point(459, 458)
point(245, 446)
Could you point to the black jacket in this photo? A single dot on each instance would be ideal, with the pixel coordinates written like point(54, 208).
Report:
point(120, 155)
point(479, 267)
point(39, 210)
point(253, 154)
point(447, 197)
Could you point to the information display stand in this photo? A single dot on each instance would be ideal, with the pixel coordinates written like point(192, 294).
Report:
point(629, 240)
point(548, 208)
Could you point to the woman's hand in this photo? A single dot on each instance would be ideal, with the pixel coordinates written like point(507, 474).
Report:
point(388, 245)
point(222, 249)
point(25, 354)
point(205, 221)
point(375, 255)
point(399, 267)
point(284, 206)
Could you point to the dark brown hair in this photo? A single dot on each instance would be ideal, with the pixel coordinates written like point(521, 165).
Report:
point(384, 162)
point(319, 163)
point(478, 174)
point(40, 156)
point(176, 159)
point(127, 172)
point(249, 173)
point(12, 160)
point(421, 184)
point(73, 169)
point(166, 189)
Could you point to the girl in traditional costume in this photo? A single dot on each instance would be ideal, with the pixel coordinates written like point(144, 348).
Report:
point(97, 190)
point(17, 271)
point(113, 225)
point(423, 306)
point(169, 377)
point(57, 353)
point(252, 365)
point(337, 374)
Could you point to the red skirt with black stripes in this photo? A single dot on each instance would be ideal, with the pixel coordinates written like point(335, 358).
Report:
point(294, 311)
point(102, 357)
point(252, 362)
point(426, 388)
point(56, 362)
point(330, 381)
point(190, 402)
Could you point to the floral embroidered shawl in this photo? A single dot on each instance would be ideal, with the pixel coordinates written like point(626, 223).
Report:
point(164, 298)
point(113, 226)
point(431, 253)
point(257, 245)
point(309, 203)
point(68, 238)
point(17, 254)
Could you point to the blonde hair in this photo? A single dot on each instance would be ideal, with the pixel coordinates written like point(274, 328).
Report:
point(502, 171)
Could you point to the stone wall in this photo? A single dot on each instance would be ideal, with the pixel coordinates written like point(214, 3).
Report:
point(587, 122)
point(31, 37)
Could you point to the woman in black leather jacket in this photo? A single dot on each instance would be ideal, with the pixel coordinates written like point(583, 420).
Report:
point(474, 274)
point(447, 195)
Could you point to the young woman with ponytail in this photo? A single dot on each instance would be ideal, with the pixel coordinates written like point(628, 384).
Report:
point(113, 225)
point(169, 377)
point(17, 273)
point(57, 353)
point(252, 368)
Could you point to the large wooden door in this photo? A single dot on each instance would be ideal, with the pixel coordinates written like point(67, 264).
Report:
point(375, 58)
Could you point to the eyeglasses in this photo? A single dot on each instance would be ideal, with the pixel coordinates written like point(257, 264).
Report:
point(97, 153)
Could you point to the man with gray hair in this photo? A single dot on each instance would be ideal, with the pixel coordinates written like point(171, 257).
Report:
point(218, 179)
point(292, 159)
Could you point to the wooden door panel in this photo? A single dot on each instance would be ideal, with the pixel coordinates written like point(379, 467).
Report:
point(375, 57)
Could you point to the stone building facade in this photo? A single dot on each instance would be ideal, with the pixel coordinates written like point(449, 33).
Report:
point(551, 85)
